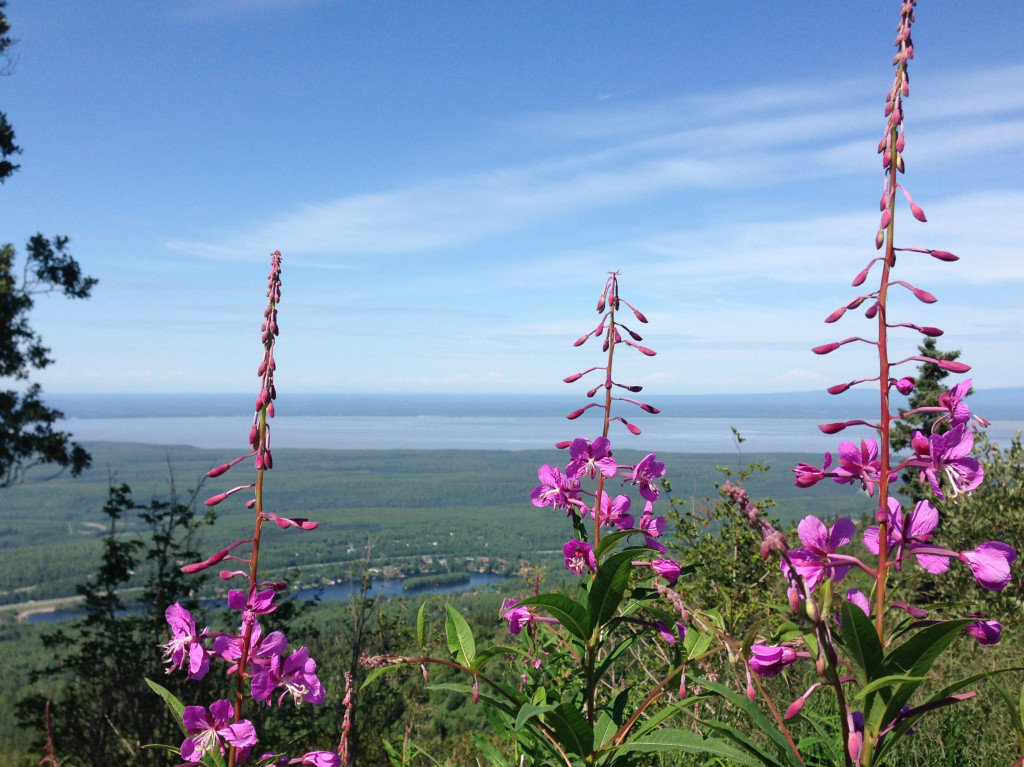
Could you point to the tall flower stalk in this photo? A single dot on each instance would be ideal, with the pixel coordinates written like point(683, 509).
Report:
point(881, 647)
point(263, 672)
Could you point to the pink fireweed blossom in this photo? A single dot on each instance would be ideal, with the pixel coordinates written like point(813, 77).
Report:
point(556, 490)
point(817, 558)
point(807, 475)
point(519, 615)
point(614, 512)
point(589, 458)
point(860, 464)
point(211, 730)
point(990, 564)
point(296, 674)
point(652, 527)
point(671, 635)
point(769, 661)
point(186, 644)
point(321, 759)
point(579, 556)
point(667, 569)
point(909, 534)
point(644, 475)
point(986, 632)
point(948, 454)
point(261, 648)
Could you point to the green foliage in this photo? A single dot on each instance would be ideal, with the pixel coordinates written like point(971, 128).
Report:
point(104, 713)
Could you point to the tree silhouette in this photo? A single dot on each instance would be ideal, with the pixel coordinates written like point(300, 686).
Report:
point(27, 434)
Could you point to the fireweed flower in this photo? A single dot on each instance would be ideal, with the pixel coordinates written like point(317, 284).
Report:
point(652, 527)
point(556, 490)
point(186, 644)
point(645, 475)
point(211, 730)
point(519, 615)
point(589, 458)
point(579, 556)
point(296, 674)
point(769, 661)
point(321, 759)
point(614, 512)
point(667, 569)
point(910, 535)
point(815, 560)
point(949, 455)
point(859, 464)
point(986, 632)
point(671, 635)
point(261, 648)
point(990, 564)
point(807, 475)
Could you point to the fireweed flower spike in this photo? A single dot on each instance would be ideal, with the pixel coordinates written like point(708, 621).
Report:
point(256, 660)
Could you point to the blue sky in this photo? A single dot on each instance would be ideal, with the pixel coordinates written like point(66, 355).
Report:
point(450, 182)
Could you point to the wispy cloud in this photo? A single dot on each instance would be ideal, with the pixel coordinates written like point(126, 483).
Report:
point(723, 142)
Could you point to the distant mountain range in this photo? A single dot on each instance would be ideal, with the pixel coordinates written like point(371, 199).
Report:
point(994, 404)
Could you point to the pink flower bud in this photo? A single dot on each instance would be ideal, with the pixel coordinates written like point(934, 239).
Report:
point(573, 377)
point(900, 143)
point(825, 348)
point(838, 388)
point(943, 255)
point(831, 428)
point(924, 296)
point(879, 239)
point(886, 219)
point(581, 340)
point(861, 276)
point(899, 163)
point(905, 385)
point(915, 209)
point(836, 314)
point(794, 708)
point(952, 366)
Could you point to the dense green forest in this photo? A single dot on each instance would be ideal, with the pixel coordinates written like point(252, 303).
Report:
point(456, 506)
point(407, 504)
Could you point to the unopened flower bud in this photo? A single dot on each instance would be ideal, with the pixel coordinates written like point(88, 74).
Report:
point(811, 610)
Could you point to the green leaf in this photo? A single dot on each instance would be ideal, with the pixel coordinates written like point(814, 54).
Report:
point(380, 670)
point(530, 710)
point(176, 706)
point(1020, 709)
point(421, 622)
point(859, 637)
point(489, 752)
point(885, 681)
point(460, 637)
point(686, 741)
point(571, 729)
point(485, 655)
point(757, 718)
point(604, 730)
point(571, 614)
point(914, 657)
point(609, 540)
point(740, 739)
point(609, 585)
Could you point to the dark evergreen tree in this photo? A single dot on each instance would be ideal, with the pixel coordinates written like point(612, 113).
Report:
point(106, 713)
point(27, 434)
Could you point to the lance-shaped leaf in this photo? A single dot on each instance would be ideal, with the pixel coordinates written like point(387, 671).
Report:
point(687, 742)
point(460, 637)
point(859, 637)
point(571, 614)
